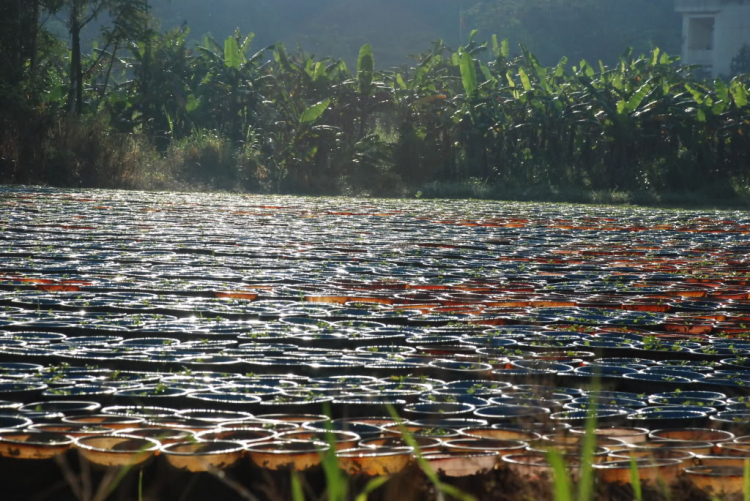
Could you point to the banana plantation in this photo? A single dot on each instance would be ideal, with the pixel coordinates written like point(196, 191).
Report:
point(225, 114)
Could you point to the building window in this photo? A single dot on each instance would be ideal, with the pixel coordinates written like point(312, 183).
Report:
point(701, 33)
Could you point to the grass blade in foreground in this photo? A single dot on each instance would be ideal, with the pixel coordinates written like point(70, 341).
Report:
point(371, 486)
point(336, 481)
point(586, 476)
point(562, 480)
point(635, 480)
point(424, 465)
point(297, 494)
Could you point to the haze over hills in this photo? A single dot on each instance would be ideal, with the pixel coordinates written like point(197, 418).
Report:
point(592, 29)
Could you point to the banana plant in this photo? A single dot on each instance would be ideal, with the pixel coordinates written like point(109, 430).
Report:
point(229, 95)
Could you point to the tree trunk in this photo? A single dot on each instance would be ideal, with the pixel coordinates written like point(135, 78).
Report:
point(34, 35)
point(103, 92)
point(75, 95)
point(11, 41)
point(145, 98)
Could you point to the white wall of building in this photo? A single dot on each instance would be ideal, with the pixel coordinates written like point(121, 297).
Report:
point(731, 30)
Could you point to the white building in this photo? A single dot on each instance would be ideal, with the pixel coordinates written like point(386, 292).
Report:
point(713, 31)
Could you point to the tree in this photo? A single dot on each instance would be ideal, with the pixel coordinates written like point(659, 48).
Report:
point(128, 20)
point(741, 62)
point(20, 30)
point(580, 29)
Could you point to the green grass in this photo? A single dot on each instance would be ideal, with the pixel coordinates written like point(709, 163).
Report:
point(635, 480)
point(561, 479)
point(424, 465)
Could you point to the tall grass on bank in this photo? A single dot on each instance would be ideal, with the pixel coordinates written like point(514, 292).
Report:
point(720, 194)
point(83, 152)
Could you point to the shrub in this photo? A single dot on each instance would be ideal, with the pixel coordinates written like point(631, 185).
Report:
point(203, 158)
point(82, 152)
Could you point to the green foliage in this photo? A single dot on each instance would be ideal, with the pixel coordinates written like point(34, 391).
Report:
point(225, 116)
point(297, 493)
point(365, 69)
point(441, 487)
point(635, 480)
point(469, 74)
point(371, 487)
point(561, 480)
point(314, 112)
point(232, 55)
point(588, 445)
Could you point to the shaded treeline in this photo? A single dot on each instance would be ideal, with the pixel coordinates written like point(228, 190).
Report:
point(150, 109)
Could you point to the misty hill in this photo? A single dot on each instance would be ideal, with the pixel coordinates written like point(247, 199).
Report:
point(592, 29)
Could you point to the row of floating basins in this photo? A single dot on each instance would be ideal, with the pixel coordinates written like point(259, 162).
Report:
point(173, 332)
point(203, 440)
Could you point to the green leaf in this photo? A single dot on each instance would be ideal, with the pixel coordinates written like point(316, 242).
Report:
point(247, 42)
point(739, 92)
point(655, 56)
point(314, 112)
point(560, 68)
point(722, 91)
point(505, 48)
point(310, 155)
point(400, 81)
point(170, 122)
point(232, 55)
point(541, 72)
point(336, 482)
point(365, 69)
point(586, 68)
point(617, 82)
point(524, 79)
point(421, 72)
point(697, 96)
point(310, 67)
point(585, 475)
point(371, 486)
point(192, 103)
point(635, 480)
point(529, 57)
point(486, 72)
point(468, 74)
point(637, 98)
point(719, 108)
point(56, 94)
point(281, 57)
point(510, 79)
point(496, 47)
point(561, 479)
point(297, 493)
point(319, 72)
point(621, 105)
point(424, 464)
